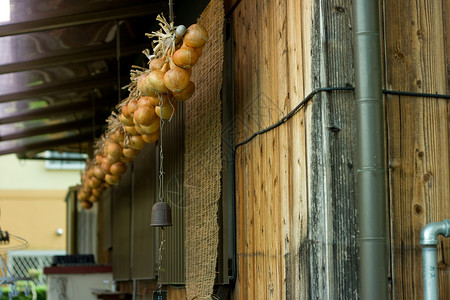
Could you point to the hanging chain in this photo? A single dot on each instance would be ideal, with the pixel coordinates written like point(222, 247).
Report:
point(161, 154)
point(161, 194)
point(160, 258)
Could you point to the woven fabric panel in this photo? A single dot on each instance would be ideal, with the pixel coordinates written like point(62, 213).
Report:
point(203, 159)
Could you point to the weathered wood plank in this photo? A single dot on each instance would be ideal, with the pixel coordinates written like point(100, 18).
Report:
point(261, 98)
point(418, 135)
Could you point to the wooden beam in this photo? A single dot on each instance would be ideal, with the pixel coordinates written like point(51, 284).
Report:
point(82, 18)
point(71, 56)
point(65, 126)
point(61, 87)
point(45, 144)
point(51, 111)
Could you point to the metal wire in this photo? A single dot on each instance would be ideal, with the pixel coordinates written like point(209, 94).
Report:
point(329, 89)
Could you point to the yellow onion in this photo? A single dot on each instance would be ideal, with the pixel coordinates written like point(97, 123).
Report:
point(117, 135)
point(125, 121)
point(130, 153)
point(144, 86)
point(99, 158)
point(155, 100)
point(125, 111)
point(112, 179)
point(126, 159)
point(136, 142)
point(154, 126)
point(110, 159)
point(118, 168)
point(93, 199)
point(105, 167)
point(131, 130)
point(97, 192)
point(156, 79)
point(176, 79)
point(157, 63)
point(114, 150)
point(86, 204)
point(132, 106)
point(196, 36)
point(186, 93)
point(185, 57)
point(90, 172)
point(151, 137)
point(144, 115)
point(165, 111)
point(82, 195)
point(94, 182)
point(199, 51)
point(98, 172)
point(145, 100)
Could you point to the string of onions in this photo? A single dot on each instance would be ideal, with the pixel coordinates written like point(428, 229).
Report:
point(153, 93)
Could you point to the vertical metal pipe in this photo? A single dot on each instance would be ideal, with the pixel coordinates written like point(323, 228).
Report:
point(430, 282)
point(370, 151)
point(429, 241)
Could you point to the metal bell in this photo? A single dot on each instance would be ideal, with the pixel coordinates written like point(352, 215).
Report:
point(161, 215)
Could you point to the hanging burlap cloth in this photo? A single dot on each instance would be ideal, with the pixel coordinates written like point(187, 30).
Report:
point(203, 159)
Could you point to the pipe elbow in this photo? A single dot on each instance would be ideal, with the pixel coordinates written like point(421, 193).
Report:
point(431, 231)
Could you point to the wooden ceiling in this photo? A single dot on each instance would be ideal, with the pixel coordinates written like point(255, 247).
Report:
point(61, 65)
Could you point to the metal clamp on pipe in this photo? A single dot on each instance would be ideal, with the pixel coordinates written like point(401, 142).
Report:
point(429, 241)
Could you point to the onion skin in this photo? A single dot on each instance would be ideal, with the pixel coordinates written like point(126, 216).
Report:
point(106, 166)
point(126, 159)
point(156, 79)
point(118, 168)
point(96, 192)
point(136, 142)
point(132, 106)
point(144, 115)
point(90, 172)
point(117, 136)
point(125, 111)
point(157, 63)
point(99, 158)
point(112, 179)
point(154, 126)
point(94, 182)
point(131, 130)
point(164, 112)
point(151, 137)
point(155, 100)
point(114, 150)
point(125, 121)
point(86, 204)
point(130, 153)
point(82, 196)
point(176, 79)
point(196, 36)
point(199, 51)
point(186, 93)
point(98, 172)
point(185, 57)
point(144, 86)
point(145, 100)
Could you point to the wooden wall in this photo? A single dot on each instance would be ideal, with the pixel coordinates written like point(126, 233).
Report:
point(295, 199)
point(266, 244)
point(296, 207)
point(417, 59)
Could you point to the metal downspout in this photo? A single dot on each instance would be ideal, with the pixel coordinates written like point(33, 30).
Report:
point(371, 174)
point(429, 241)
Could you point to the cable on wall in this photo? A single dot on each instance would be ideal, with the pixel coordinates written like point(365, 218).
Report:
point(311, 95)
